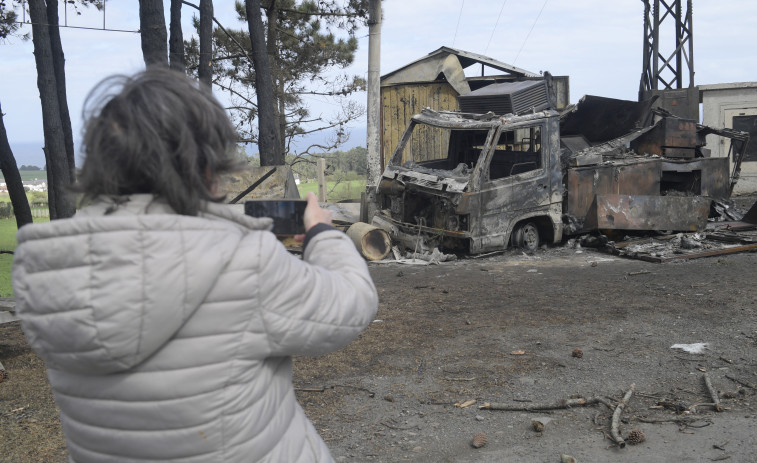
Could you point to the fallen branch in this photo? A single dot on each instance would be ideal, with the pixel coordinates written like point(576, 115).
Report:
point(679, 419)
point(616, 418)
point(743, 383)
point(310, 389)
point(562, 404)
point(693, 407)
point(399, 428)
point(605, 402)
point(334, 386)
point(370, 393)
point(713, 393)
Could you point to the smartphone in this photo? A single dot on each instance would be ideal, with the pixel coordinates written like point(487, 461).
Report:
point(287, 214)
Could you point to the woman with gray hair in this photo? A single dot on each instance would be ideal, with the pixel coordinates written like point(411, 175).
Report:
point(167, 321)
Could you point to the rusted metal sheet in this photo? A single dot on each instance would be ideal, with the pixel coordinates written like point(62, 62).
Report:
point(628, 212)
point(584, 183)
point(671, 137)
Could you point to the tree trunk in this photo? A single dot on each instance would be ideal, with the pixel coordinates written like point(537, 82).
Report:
point(59, 66)
point(59, 178)
point(272, 13)
point(268, 134)
point(152, 23)
point(205, 72)
point(178, 60)
point(13, 178)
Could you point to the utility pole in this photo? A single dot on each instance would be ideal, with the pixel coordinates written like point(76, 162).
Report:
point(668, 54)
point(373, 117)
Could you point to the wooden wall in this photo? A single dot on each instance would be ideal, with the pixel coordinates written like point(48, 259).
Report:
point(400, 103)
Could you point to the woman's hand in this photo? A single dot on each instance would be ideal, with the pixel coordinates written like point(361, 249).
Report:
point(313, 215)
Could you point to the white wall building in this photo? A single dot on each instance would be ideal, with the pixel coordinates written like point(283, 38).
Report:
point(733, 106)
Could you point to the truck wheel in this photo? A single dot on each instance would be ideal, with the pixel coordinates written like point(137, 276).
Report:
point(526, 237)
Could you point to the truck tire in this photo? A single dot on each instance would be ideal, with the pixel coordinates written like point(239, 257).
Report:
point(526, 236)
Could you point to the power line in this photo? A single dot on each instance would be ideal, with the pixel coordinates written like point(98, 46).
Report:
point(458, 22)
point(77, 27)
point(495, 26)
point(529, 32)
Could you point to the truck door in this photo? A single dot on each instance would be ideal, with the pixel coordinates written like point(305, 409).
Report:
point(515, 181)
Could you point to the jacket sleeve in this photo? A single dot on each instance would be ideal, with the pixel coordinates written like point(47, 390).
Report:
point(317, 304)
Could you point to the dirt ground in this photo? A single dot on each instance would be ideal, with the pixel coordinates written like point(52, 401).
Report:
point(503, 329)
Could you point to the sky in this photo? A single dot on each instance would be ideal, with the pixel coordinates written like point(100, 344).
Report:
point(598, 43)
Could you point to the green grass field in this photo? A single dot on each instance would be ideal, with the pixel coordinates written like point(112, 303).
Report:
point(345, 190)
point(8, 243)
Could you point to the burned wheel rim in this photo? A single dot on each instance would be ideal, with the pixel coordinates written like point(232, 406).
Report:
point(526, 237)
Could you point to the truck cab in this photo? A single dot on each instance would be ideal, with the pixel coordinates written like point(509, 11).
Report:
point(474, 183)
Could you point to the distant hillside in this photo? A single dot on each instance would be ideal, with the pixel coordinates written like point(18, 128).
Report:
point(29, 175)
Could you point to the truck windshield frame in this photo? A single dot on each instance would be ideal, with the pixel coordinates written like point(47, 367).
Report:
point(442, 150)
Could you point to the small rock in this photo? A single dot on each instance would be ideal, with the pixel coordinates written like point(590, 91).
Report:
point(567, 459)
point(389, 398)
point(479, 418)
point(578, 353)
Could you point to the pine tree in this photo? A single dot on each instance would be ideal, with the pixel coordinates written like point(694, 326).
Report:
point(305, 56)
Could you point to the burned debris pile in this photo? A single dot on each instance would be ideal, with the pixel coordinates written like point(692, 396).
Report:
point(729, 231)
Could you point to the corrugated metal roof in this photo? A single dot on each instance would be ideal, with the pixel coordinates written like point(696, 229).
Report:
point(467, 59)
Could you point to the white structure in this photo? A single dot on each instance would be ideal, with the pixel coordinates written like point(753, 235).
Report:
point(733, 106)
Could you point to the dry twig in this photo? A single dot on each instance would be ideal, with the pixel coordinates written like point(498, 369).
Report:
point(399, 428)
point(743, 383)
point(713, 393)
point(565, 403)
point(684, 420)
point(616, 417)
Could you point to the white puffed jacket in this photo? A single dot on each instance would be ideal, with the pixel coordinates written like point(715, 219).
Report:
point(169, 338)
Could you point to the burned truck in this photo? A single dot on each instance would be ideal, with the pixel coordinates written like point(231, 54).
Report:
point(474, 183)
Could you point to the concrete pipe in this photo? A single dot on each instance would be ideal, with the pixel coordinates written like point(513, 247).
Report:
point(372, 242)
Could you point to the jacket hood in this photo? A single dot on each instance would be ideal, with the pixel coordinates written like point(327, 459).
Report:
point(101, 292)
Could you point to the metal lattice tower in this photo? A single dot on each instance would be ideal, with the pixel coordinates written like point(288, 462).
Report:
point(665, 69)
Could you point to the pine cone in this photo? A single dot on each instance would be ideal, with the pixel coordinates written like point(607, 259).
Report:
point(479, 440)
point(578, 353)
point(636, 437)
